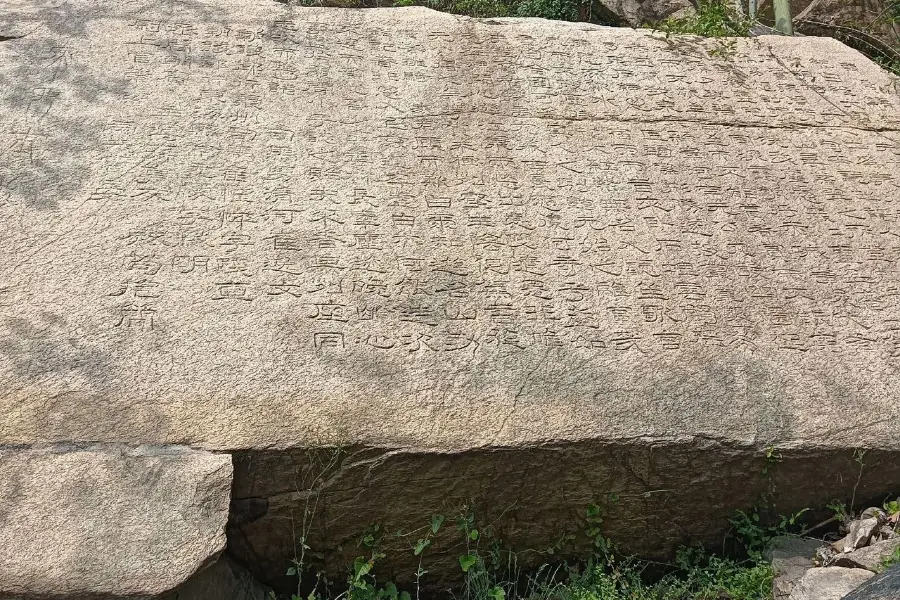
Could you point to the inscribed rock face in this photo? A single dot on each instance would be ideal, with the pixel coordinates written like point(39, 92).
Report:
point(238, 224)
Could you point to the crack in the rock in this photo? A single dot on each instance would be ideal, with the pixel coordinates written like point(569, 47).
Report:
point(518, 395)
point(6, 38)
point(890, 128)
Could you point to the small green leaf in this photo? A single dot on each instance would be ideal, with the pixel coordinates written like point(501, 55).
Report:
point(467, 561)
point(390, 591)
point(420, 546)
point(361, 568)
point(436, 522)
point(497, 593)
point(405, 596)
point(291, 571)
point(473, 535)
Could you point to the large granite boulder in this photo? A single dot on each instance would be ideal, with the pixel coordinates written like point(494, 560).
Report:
point(885, 586)
point(829, 583)
point(108, 522)
point(401, 263)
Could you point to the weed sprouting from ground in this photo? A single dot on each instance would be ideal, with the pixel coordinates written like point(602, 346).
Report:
point(490, 572)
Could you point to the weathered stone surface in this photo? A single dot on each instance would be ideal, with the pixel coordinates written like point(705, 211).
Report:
point(791, 546)
point(829, 583)
point(240, 266)
point(513, 263)
point(108, 522)
point(791, 558)
point(870, 557)
point(860, 534)
point(885, 586)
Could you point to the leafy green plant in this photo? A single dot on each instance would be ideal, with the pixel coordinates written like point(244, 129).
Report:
point(594, 518)
point(893, 11)
point(841, 514)
point(890, 561)
point(422, 543)
point(754, 534)
point(561, 10)
point(361, 582)
point(889, 64)
point(714, 18)
point(495, 573)
point(610, 579)
point(472, 8)
point(695, 575)
point(702, 576)
point(859, 457)
point(773, 458)
point(309, 486)
point(607, 574)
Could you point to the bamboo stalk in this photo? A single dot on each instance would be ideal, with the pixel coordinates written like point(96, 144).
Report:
point(783, 17)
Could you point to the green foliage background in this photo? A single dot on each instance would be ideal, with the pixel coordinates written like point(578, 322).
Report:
point(714, 18)
point(559, 10)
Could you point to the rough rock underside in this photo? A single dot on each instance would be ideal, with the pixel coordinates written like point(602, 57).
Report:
point(396, 262)
point(108, 521)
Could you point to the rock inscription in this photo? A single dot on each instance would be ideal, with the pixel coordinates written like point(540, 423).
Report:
point(195, 200)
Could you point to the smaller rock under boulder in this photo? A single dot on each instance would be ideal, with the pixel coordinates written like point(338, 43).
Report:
point(829, 583)
point(860, 534)
point(791, 557)
point(870, 557)
point(108, 521)
point(883, 587)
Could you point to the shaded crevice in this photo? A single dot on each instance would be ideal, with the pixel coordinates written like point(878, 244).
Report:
point(684, 489)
